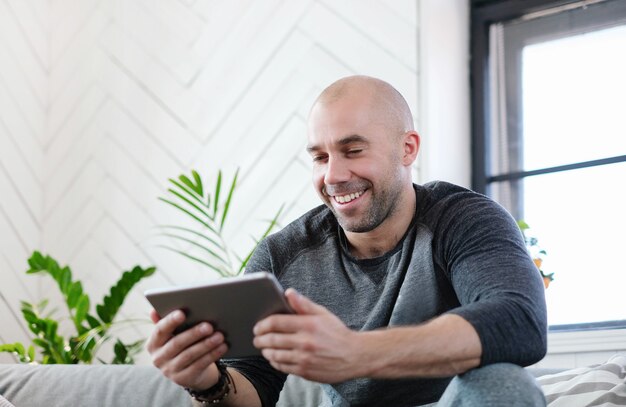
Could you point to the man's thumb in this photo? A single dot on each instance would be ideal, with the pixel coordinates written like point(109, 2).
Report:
point(301, 304)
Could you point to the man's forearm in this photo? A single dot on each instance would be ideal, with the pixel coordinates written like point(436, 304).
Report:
point(446, 346)
point(246, 394)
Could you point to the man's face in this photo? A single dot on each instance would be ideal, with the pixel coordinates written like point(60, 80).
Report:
point(356, 162)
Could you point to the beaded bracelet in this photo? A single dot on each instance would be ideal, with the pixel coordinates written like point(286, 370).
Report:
point(219, 391)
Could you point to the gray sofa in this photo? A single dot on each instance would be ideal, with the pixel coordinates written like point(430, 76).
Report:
point(124, 385)
point(112, 385)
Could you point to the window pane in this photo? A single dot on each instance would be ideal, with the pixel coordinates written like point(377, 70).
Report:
point(574, 99)
point(578, 218)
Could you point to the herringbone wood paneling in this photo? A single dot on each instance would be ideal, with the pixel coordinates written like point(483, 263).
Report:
point(102, 100)
point(23, 104)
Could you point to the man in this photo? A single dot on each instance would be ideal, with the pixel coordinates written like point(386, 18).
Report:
point(400, 287)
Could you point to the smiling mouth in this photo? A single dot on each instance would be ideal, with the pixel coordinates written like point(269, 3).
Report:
point(344, 199)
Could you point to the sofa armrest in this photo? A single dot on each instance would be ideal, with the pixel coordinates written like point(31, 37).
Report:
point(88, 385)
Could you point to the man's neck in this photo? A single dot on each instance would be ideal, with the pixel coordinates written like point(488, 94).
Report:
point(386, 236)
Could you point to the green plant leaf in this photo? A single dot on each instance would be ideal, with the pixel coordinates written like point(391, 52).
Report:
point(218, 257)
point(223, 273)
point(199, 209)
point(198, 180)
point(228, 199)
point(51, 328)
point(82, 307)
point(268, 230)
point(92, 321)
point(121, 353)
point(124, 352)
point(117, 294)
point(177, 206)
point(74, 293)
point(190, 193)
point(18, 350)
point(37, 262)
point(64, 279)
point(195, 233)
point(198, 245)
point(40, 342)
point(41, 305)
point(185, 180)
point(103, 313)
point(218, 188)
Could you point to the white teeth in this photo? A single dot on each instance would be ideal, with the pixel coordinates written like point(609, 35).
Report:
point(349, 197)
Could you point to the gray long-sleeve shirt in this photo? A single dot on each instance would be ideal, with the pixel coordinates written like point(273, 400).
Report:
point(462, 254)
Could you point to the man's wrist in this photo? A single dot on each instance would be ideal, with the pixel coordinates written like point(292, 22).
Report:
point(219, 391)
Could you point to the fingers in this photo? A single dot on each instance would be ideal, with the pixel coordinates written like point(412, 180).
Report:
point(154, 316)
point(281, 323)
point(195, 375)
point(192, 359)
point(280, 341)
point(164, 330)
point(281, 356)
point(178, 344)
point(186, 357)
point(303, 305)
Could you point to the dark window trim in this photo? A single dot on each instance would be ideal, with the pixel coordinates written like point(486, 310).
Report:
point(550, 170)
point(484, 13)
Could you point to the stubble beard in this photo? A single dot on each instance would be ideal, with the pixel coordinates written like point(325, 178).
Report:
point(382, 205)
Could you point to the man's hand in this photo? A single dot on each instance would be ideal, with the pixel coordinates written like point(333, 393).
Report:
point(188, 357)
point(313, 344)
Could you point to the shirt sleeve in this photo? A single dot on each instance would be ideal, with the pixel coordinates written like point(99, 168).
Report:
point(499, 288)
point(267, 381)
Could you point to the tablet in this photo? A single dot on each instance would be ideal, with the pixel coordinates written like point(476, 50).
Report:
point(232, 305)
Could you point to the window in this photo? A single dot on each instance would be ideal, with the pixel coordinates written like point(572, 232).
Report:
point(549, 142)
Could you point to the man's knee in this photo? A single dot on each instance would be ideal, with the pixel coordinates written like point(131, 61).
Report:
point(500, 384)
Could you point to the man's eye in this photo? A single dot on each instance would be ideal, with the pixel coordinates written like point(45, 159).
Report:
point(318, 158)
point(353, 152)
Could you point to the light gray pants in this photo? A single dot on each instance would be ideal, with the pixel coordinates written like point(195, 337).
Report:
point(497, 385)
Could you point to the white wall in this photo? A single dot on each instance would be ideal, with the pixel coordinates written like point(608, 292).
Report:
point(24, 67)
point(102, 101)
point(444, 119)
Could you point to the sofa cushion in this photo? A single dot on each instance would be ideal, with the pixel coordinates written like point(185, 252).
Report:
point(5, 403)
point(597, 385)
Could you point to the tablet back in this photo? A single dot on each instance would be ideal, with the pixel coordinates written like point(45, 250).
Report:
point(233, 305)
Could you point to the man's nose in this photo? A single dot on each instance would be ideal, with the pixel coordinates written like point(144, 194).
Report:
point(337, 171)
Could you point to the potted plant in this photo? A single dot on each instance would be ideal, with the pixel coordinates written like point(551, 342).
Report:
point(90, 330)
point(537, 253)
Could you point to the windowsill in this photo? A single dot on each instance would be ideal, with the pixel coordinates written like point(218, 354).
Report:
point(586, 341)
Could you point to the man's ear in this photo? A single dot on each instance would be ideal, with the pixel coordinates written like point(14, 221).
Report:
point(411, 145)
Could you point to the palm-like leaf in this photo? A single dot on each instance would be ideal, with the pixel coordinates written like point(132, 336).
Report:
point(189, 196)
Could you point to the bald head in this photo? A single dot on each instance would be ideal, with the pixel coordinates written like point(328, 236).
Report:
point(382, 99)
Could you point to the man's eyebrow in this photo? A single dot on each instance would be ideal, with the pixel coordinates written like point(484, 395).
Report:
point(354, 138)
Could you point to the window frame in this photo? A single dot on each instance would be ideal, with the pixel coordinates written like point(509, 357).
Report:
point(483, 14)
